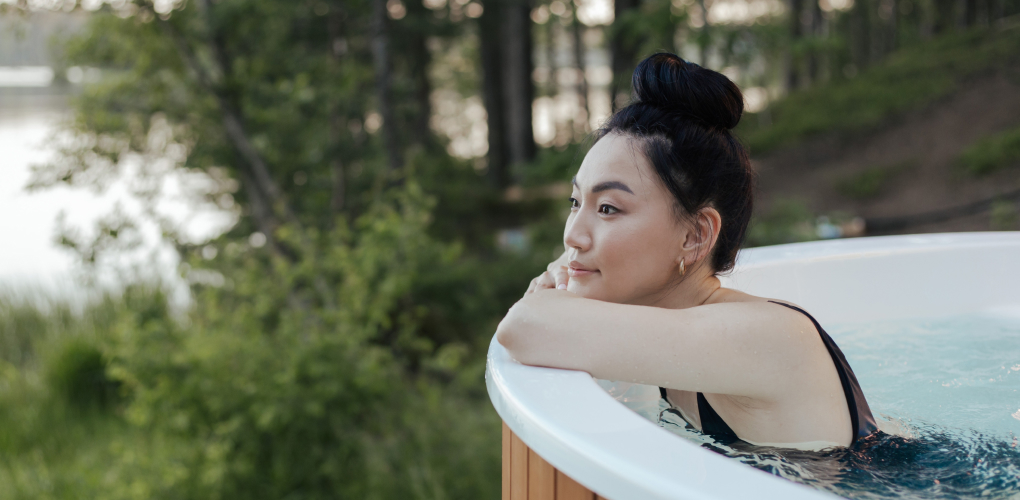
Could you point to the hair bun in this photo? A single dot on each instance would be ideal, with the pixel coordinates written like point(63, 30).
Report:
point(667, 81)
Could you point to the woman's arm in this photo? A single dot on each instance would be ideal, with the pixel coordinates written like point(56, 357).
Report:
point(753, 349)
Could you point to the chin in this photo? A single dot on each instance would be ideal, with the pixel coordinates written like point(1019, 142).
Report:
point(590, 291)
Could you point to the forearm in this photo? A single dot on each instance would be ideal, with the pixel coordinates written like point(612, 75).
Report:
point(555, 328)
point(527, 330)
point(703, 348)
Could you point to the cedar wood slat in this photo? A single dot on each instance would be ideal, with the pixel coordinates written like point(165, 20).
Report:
point(541, 478)
point(518, 468)
point(568, 489)
point(527, 476)
point(506, 462)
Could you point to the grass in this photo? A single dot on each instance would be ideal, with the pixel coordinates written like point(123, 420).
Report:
point(1004, 216)
point(906, 80)
point(67, 431)
point(60, 436)
point(870, 182)
point(787, 221)
point(991, 153)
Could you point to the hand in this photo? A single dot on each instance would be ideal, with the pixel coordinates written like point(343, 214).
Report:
point(555, 277)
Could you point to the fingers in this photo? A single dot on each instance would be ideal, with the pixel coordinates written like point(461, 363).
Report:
point(558, 263)
point(532, 286)
point(556, 277)
point(542, 282)
point(560, 277)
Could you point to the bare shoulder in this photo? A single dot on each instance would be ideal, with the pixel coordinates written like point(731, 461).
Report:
point(779, 320)
point(732, 295)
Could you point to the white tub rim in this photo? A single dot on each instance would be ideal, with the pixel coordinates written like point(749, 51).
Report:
point(566, 418)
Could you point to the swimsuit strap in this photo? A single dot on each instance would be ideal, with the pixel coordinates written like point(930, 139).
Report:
point(862, 422)
point(711, 423)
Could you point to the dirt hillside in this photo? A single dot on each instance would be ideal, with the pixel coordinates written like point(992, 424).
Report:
point(919, 149)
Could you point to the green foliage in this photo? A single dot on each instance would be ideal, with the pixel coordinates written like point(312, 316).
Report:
point(344, 358)
point(648, 29)
point(1004, 216)
point(906, 80)
point(313, 402)
point(552, 165)
point(870, 182)
point(256, 393)
point(78, 374)
point(22, 328)
point(52, 446)
point(991, 153)
point(787, 221)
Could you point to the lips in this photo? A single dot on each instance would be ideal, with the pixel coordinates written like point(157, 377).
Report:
point(576, 270)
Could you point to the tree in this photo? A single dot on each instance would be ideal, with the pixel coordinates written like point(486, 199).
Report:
point(336, 291)
point(623, 52)
point(796, 35)
point(505, 51)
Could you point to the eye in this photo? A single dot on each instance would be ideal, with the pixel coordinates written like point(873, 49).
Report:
point(574, 204)
point(608, 210)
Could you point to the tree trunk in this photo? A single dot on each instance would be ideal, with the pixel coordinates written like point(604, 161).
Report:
point(623, 56)
point(582, 79)
point(945, 16)
point(704, 36)
point(519, 91)
point(338, 173)
point(419, 59)
point(818, 32)
point(507, 89)
point(796, 35)
point(860, 34)
point(970, 12)
point(552, 85)
point(894, 26)
point(383, 79)
point(497, 157)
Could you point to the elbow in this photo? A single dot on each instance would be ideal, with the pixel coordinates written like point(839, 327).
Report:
point(511, 334)
point(505, 335)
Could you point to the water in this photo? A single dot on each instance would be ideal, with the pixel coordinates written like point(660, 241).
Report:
point(947, 393)
point(31, 260)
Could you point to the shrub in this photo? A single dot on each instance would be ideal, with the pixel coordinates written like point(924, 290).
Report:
point(77, 373)
point(870, 182)
point(908, 79)
point(991, 153)
point(787, 221)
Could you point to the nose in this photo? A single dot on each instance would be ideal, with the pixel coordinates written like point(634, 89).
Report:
point(577, 232)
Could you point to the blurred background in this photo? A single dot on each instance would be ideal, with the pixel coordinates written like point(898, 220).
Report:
point(257, 248)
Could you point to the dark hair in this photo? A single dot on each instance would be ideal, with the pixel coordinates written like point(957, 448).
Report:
point(682, 115)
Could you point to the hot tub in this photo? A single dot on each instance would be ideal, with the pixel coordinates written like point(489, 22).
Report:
point(565, 437)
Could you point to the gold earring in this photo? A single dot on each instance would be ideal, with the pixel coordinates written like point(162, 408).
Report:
point(683, 269)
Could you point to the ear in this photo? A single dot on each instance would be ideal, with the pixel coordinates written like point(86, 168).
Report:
point(701, 237)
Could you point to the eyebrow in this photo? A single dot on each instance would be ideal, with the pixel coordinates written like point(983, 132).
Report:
point(605, 186)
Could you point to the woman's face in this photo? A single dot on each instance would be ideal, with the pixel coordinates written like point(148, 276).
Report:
point(622, 237)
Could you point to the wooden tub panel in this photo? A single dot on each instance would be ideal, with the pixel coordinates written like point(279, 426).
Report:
point(506, 462)
point(527, 476)
point(568, 489)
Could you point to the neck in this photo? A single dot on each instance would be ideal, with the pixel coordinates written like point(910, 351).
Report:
point(696, 290)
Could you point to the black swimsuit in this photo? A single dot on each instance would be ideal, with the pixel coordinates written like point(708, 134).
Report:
point(862, 422)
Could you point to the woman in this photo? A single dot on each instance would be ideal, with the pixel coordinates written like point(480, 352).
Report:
point(659, 208)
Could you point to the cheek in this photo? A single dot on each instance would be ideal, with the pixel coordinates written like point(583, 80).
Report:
point(637, 257)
